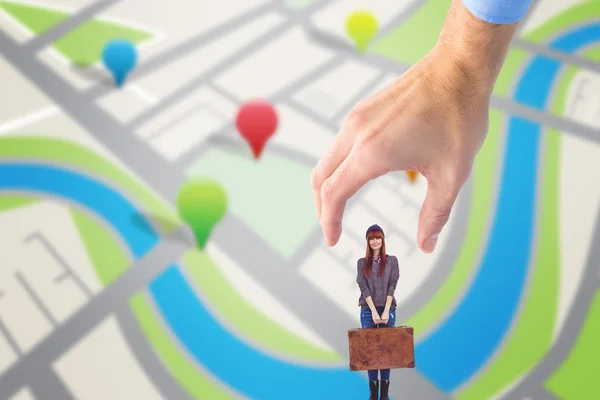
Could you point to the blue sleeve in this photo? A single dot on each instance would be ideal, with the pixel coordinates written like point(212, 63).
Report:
point(498, 11)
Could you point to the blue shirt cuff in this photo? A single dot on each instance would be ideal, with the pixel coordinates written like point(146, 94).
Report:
point(498, 11)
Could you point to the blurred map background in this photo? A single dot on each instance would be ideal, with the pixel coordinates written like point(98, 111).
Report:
point(103, 296)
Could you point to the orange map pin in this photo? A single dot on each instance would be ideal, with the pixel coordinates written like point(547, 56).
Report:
point(412, 176)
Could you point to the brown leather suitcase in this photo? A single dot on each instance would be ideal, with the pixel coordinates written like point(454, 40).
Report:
point(381, 348)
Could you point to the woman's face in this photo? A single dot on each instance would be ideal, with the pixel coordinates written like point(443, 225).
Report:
point(375, 243)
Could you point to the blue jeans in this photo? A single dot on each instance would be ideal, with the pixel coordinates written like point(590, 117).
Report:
point(366, 320)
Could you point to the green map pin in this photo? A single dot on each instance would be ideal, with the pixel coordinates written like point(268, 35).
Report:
point(202, 204)
point(362, 26)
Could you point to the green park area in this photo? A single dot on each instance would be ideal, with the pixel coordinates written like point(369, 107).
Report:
point(271, 195)
point(577, 377)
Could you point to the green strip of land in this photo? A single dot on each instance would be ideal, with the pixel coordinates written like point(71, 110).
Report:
point(12, 201)
point(577, 377)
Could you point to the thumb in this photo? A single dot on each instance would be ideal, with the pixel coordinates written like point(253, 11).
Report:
point(435, 212)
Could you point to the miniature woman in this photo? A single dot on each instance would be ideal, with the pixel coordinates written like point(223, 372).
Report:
point(377, 277)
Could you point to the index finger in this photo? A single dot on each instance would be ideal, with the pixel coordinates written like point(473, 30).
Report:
point(352, 174)
point(327, 165)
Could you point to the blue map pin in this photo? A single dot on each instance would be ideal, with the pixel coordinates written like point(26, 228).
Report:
point(119, 56)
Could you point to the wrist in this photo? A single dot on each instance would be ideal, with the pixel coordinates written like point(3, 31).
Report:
point(475, 49)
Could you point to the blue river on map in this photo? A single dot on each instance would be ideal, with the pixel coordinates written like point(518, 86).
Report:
point(470, 335)
point(451, 355)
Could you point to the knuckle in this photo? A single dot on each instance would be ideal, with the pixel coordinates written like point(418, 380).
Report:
point(356, 118)
point(370, 156)
point(328, 190)
point(364, 147)
point(440, 212)
point(315, 178)
point(459, 174)
point(439, 215)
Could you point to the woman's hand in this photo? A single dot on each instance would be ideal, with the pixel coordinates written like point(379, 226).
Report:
point(376, 317)
point(385, 317)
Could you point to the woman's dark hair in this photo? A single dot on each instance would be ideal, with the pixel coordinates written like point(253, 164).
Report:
point(369, 255)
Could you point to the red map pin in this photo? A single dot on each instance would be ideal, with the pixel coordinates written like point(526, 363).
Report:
point(257, 121)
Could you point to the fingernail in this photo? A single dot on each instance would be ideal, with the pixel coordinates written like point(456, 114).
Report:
point(430, 243)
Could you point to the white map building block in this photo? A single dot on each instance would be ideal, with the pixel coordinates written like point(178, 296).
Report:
point(277, 65)
point(182, 21)
point(29, 104)
point(8, 354)
point(331, 93)
point(300, 133)
point(387, 80)
point(23, 319)
point(579, 193)
point(583, 104)
point(38, 290)
point(347, 250)
point(182, 127)
point(181, 70)
point(101, 366)
point(334, 280)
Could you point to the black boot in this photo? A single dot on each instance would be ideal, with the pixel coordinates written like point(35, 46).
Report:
point(374, 388)
point(385, 385)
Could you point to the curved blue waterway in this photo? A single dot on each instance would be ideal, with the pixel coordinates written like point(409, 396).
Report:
point(467, 339)
point(242, 367)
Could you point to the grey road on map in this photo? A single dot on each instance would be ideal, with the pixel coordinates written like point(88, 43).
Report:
point(47, 385)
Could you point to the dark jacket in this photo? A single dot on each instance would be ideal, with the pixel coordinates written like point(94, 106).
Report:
point(375, 286)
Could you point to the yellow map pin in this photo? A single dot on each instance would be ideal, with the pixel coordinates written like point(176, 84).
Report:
point(362, 26)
